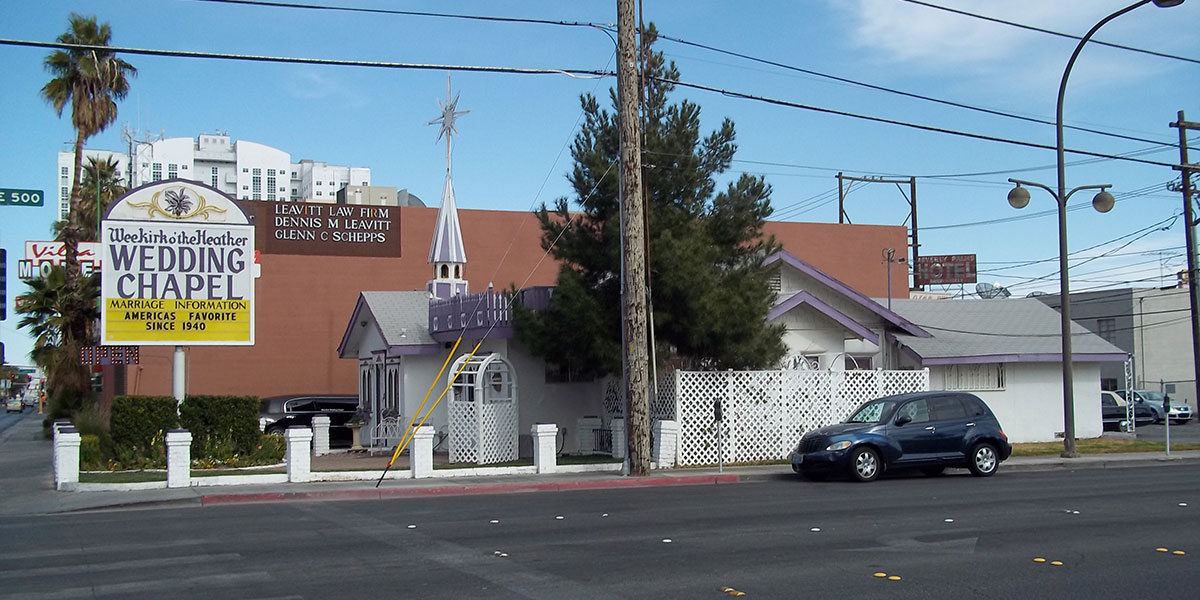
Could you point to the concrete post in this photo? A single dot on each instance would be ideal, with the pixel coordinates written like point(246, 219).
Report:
point(618, 438)
point(320, 435)
point(545, 441)
point(299, 449)
point(66, 459)
point(585, 429)
point(179, 458)
point(666, 443)
point(420, 453)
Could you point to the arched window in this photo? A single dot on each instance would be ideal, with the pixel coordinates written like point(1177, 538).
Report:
point(445, 271)
point(457, 272)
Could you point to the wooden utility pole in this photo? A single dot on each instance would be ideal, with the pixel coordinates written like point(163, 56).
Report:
point(633, 272)
point(1189, 229)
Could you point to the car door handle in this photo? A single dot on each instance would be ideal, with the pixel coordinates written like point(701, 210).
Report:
point(930, 428)
point(972, 424)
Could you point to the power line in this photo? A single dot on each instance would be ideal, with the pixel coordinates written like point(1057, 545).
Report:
point(412, 13)
point(575, 73)
point(1051, 32)
point(918, 126)
point(913, 95)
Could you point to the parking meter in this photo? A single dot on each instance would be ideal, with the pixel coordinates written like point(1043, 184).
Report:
point(718, 414)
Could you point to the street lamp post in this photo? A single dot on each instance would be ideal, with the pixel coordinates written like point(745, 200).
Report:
point(1103, 202)
point(1018, 197)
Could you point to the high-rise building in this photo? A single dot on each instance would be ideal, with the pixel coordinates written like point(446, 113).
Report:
point(66, 172)
point(242, 169)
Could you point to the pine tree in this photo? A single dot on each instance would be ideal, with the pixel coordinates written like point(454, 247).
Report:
point(710, 291)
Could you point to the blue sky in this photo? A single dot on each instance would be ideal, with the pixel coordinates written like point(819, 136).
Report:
point(512, 151)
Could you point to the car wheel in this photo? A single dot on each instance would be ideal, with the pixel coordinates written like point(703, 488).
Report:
point(865, 465)
point(279, 431)
point(984, 460)
point(933, 471)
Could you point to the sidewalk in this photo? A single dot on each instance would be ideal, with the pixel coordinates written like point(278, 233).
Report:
point(27, 482)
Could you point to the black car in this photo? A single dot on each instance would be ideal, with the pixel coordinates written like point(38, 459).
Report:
point(1114, 412)
point(929, 431)
point(280, 412)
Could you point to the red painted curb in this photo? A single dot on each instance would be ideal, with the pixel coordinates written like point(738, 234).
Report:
point(467, 489)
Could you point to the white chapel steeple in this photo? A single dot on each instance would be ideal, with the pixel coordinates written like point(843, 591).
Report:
point(446, 252)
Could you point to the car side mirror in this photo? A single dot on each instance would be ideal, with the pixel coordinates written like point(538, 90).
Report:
point(903, 420)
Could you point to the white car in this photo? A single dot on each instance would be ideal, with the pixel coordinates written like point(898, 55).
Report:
point(14, 405)
point(1179, 414)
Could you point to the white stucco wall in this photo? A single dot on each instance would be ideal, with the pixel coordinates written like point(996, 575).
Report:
point(537, 401)
point(1030, 407)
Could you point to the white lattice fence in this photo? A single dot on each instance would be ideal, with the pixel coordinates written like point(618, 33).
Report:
point(498, 432)
point(464, 432)
point(766, 412)
point(662, 404)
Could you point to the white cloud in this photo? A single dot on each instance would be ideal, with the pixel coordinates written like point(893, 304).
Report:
point(931, 41)
point(317, 85)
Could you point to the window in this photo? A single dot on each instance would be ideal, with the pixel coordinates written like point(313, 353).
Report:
point(156, 172)
point(172, 171)
point(864, 363)
point(1106, 328)
point(214, 177)
point(973, 377)
point(947, 407)
point(917, 410)
point(245, 170)
point(63, 171)
point(182, 167)
point(256, 185)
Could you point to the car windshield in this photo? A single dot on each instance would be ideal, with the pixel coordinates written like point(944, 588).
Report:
point(874, 411)
point(1155, 397)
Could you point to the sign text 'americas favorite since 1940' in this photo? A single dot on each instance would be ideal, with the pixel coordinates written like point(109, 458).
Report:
point(178, 268)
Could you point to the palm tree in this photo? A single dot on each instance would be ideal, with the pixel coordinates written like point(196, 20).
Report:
point(90, 79)
point(100, 187)
point(47, 311)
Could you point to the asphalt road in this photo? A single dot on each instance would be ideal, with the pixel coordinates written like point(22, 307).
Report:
point(952, 536)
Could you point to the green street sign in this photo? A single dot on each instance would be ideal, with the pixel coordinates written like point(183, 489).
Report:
point(21, 197)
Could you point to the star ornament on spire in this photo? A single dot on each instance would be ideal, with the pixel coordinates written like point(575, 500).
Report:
point(449, 114)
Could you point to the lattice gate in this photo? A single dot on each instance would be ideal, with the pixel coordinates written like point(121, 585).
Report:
point(766, 412)
point(483, 411)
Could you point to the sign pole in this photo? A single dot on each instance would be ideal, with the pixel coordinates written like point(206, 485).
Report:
point(178, 381)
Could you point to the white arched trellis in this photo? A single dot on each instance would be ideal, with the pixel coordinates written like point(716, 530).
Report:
point(482, 410)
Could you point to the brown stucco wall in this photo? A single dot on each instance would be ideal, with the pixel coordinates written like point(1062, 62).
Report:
point(302, 303)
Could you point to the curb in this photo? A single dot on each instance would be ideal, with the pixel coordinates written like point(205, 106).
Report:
point(465, 490)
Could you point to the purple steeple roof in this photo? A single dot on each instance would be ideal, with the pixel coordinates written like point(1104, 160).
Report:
point(447, 246)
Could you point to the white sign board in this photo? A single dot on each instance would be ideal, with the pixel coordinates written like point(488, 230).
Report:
point(178, 268)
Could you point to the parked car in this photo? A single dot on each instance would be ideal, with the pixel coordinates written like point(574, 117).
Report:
point(1114, 411)
point(929, 431)
point(1180, 413)
point(277, 413)
point(14, 405)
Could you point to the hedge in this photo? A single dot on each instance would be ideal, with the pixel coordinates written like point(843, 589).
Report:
point(138, 425)
point(222, 427)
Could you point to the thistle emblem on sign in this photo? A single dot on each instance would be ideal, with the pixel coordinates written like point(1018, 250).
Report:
point(178, 205)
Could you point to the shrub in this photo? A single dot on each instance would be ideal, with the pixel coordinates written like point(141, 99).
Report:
point(90, 457)
point(137, 427)
point(223, 428)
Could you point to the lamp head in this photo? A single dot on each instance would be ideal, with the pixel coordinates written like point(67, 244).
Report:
point(1167, 3)
point(1018, 197)
point(1103, 202)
